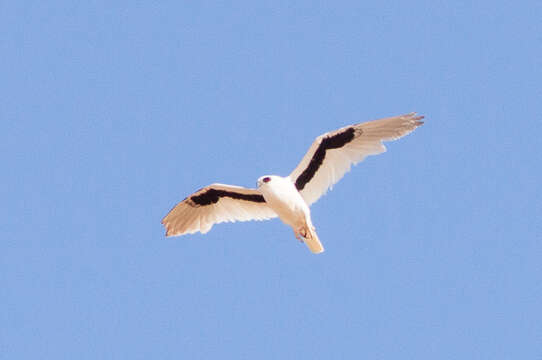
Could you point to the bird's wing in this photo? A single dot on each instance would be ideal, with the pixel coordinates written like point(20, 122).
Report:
point(332, 154)
point(214, 204)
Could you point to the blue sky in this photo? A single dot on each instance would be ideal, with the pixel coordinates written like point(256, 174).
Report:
point(113, 112)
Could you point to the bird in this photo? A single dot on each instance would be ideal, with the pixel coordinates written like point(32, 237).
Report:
point(289, 198)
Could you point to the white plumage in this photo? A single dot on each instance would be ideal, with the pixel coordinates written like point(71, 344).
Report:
point(330, 156)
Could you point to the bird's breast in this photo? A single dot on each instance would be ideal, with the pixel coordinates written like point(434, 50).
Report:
point(285, 200)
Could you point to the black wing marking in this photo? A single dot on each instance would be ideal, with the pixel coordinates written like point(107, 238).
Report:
point(211, 196)
point(328, 143)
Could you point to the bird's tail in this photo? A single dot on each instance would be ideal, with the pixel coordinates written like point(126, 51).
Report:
point(312, 240)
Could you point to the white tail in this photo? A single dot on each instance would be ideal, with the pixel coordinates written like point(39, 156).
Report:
point(312, 241)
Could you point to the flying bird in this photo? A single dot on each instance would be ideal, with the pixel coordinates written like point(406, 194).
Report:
point(330, 156)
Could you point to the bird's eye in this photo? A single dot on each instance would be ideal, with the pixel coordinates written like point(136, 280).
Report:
point(266, 179)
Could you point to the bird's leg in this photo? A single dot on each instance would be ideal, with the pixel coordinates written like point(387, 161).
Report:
point(297, 236)
point(301, 234)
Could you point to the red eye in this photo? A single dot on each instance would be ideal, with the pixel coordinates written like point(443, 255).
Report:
point(266, 179)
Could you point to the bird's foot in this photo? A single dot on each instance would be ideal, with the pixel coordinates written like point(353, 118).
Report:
point(298, 236)
point(301, 234)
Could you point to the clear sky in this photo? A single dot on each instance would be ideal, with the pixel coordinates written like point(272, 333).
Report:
point(112, 112)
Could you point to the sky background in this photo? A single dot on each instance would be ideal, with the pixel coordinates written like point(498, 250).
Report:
point(112, 112)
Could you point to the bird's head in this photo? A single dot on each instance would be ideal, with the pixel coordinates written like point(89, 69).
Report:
point(266, 179)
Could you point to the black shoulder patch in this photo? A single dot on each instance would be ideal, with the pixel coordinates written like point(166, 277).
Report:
point(212, 196)
point(330, 142)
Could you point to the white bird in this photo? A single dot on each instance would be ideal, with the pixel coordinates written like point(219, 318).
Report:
point(330, 156)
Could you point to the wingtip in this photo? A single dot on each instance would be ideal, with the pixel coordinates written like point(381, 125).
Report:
point(414, 115)
point(416, 118)
point(169, 231)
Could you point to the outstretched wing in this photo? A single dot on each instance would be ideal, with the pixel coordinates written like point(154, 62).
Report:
point(214, 204)
point(332, 154)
